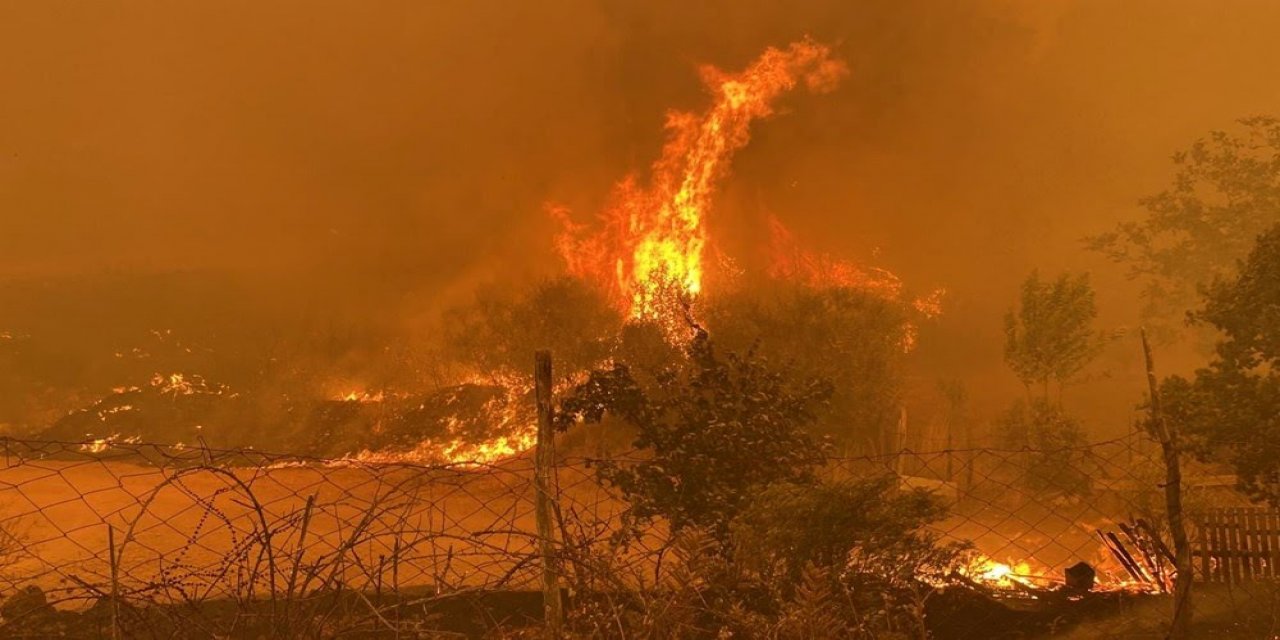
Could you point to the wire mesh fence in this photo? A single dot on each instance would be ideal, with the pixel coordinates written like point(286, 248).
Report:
point(169, 541)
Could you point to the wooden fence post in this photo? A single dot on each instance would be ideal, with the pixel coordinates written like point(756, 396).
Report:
point(1180, 626)
point(115, 582)
point(544, 462)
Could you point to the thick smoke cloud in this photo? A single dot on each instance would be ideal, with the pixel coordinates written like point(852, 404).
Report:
point(378, 160)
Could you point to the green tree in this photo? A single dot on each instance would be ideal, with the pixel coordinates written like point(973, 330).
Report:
point(714, 431)
point(1049, 337)
point(1232, 406)
point(1226, 192)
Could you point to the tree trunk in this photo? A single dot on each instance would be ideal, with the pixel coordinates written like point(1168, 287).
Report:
point(1180, 626)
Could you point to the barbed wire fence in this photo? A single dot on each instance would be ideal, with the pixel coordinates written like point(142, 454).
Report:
point(151, 540)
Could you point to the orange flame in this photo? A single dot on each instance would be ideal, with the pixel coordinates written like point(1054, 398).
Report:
point(651, 238)
point(792, 262)
point(361, 396)
point(1000, 575)
point(1026, 577)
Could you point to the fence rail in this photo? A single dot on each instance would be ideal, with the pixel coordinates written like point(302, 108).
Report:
point(1237, 545)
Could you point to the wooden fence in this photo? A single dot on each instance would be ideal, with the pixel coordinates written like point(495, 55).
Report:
point(1237, 545)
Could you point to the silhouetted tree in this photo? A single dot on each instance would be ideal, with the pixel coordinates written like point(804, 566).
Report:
point(1225, 193)
point(852, 338)
point(1049, 336)
point(500, 329)
point(714, 430)
point(1054, 441)
point(830, 553)
point(1232, 406)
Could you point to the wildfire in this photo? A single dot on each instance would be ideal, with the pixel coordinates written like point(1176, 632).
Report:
point(651, 239)
point(100, 445)
point(508, 415)
point(361, 396)
point(479, 454)
point(1000, 575)
point(456, 452)
point(792, 262)
point(180, 384)
point(1023, 577)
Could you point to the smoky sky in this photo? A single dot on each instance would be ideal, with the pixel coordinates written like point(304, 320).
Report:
point(410, 147)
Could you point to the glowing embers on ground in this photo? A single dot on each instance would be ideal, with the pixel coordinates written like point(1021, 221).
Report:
point(100, 445)
point(650, 240)
point(140, 413)
point(177, 384)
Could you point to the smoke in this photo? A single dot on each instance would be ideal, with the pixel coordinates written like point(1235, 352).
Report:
point(373, 162)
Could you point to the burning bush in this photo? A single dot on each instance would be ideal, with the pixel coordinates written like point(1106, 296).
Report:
point(449, 424)
point(429, 427)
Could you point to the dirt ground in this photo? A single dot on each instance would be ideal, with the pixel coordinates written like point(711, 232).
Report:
point(199, 530)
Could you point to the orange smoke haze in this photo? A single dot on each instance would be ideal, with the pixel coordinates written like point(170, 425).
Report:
point(255, 169)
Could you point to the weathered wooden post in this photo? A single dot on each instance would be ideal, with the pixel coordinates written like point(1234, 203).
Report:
point(900, 441)
point(115, 582)
point(1180, 627)
point(544, 462)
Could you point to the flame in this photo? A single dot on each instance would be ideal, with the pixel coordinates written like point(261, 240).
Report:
point(100, 445)
point(455, 453)
point(792, 262)
point(1000, 575)
point(361, 396)
point(490, 451)
point(507, 414)
point(180, 384)
point(1023, 576)
point(930, 304)
point(650, 244)
point(105, 413)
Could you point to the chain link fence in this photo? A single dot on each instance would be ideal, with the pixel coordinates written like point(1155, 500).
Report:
point(143, 540)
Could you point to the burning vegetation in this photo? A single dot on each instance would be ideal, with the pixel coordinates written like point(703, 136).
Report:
point(639, 269)
point(761, 445)
point(650, 241)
